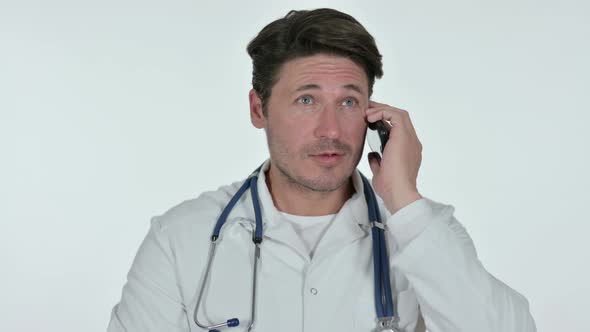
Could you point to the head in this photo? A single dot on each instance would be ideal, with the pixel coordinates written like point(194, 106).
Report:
point(313, 75)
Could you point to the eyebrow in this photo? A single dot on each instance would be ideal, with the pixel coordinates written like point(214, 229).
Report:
point(308, 87)
point(353, 87)
point(304, 87)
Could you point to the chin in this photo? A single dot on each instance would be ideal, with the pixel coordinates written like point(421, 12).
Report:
point(327, 181)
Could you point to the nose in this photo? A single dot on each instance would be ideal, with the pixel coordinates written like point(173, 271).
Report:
point(328, 125)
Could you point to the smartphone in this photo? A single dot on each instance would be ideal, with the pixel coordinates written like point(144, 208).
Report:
point(381, 130)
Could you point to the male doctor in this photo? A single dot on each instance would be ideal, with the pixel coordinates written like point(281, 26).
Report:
point(313, 73)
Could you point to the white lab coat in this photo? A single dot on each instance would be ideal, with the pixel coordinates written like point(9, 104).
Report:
point(437, 278)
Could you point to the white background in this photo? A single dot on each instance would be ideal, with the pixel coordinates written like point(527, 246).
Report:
point(114, 111)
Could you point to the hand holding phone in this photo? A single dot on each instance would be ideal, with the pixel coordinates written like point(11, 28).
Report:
point(394, 174)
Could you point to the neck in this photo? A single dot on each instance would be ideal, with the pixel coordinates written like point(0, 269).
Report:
point(295, 199)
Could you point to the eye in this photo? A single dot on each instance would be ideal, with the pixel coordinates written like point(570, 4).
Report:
point(349, 102)
point(305, 100)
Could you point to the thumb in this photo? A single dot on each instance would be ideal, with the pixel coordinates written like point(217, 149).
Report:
point(374, 162)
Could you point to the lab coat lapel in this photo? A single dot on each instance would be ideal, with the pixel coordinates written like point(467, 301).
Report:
point(347, 226)
point(276, 228)
point(345, 229)
point(280, 236)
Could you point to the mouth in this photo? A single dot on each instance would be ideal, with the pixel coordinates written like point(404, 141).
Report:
point(328, 154)
point(328, 157)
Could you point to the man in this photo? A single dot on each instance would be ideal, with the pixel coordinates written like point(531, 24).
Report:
point(312, 79)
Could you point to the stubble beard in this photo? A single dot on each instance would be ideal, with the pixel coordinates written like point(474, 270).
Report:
point(281, 155)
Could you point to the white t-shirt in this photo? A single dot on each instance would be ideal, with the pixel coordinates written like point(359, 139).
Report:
point(310, 229)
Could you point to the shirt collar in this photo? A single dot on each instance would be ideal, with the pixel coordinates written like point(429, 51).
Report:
point(355, 206)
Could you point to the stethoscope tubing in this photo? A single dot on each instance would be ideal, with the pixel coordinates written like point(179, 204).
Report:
point(383, 296)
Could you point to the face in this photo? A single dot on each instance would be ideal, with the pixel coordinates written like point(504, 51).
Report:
point(315, 121)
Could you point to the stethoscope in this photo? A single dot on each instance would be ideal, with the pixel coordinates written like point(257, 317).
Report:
point(386, 321)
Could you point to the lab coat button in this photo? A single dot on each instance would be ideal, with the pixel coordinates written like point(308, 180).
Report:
point(313, 291)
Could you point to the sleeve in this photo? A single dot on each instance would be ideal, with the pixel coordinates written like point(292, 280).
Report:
point(454, 291)
point(151, 299)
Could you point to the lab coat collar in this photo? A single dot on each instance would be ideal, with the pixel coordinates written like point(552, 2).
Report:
point(347, 226)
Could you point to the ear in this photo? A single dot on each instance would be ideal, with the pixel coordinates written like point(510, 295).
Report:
point(256, 115)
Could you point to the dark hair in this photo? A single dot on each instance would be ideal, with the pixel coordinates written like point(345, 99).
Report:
point(308, 32)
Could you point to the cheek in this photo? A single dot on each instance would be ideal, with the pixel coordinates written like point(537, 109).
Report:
point(355, 131)
point(287, 135)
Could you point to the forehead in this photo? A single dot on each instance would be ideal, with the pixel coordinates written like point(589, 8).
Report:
point(327, 71)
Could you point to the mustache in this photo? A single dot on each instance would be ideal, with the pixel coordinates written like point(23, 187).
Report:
point(327, 145)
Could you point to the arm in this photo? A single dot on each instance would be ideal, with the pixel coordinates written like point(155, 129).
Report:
point(151, 300)
point(453, 289)
point(435, 253)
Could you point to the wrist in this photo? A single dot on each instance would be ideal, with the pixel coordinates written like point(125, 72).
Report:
point(401, 200)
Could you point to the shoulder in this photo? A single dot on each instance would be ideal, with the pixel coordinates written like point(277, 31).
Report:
point(197, 213)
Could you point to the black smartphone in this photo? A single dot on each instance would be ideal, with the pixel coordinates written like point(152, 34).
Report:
point(382, 129)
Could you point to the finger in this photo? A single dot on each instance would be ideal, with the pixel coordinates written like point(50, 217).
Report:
point(373, 103)
point(388, 114)
point(374, 162)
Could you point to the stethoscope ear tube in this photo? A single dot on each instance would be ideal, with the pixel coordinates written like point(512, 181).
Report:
point(230, 322)
point(249, 183)
point(254, 282)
